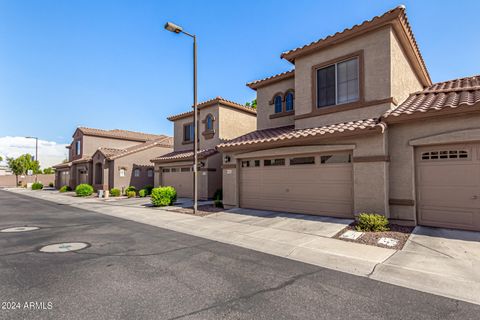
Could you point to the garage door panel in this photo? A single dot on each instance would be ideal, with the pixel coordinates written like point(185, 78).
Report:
point(448, 190)
point(181, 181)
point(453, 174)
point(308, 189)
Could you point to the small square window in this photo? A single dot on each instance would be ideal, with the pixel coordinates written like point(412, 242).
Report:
point(174, 170)
point(149, 173)
point(165, 170)
point(245, 164)
point(122, 172)
point(136, 173)
point(257, 163)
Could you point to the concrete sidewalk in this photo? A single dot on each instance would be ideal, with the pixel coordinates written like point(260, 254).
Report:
point(433, 260)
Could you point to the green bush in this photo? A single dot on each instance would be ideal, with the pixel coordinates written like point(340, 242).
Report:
point(114, 192)
point(142, 193)
point(51, 185)
point(37, 186)
point(149, 189)
point(163, 196)
point(84, 190)
point(372, 222)
point(218, 195)
point(130, 188)
point(131, 194)
point(65, 189)
point(218, 203)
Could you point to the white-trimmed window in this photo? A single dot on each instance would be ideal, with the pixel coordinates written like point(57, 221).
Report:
point(122, 172)
point(338, 83)
point(136, 173)
point(445, 154)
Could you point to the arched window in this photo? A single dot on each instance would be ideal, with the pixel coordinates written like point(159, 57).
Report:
point(289, 101)
point(209, 123)
point(277, 101)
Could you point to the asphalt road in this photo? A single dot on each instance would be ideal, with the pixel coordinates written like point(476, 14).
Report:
point(136, 271)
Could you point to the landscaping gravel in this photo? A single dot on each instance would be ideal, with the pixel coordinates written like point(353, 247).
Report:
point(400, 233)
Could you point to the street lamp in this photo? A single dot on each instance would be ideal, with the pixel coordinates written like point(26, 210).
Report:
point(177, 29)
point(36, 152)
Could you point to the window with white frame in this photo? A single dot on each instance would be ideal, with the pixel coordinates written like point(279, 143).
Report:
point(122, 172)
point(136, 173)
point(338, 83)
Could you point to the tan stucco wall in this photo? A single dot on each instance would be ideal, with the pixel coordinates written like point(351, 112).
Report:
point(403, 78)
point(265, 109)
point(235, 123)
point(90, 144)
point(178, 134)
point(139, 160)
point(376, 50)
point(402, 155)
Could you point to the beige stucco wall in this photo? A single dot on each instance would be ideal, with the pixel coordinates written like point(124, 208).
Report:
point(403, 78)
point(140, 160)
point(402, 155)
point(265, 109)
point(376, 54)
point(178, 144)
point(234, 123)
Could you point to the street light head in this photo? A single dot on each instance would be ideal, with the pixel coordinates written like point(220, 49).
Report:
point(173, 27)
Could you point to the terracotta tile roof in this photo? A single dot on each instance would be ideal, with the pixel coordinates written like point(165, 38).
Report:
point(290, 133)
point(113, 153)
point(120, 134)
point(217, 100)
point(463, 92)
point(265, 81)
point(184, 155)
point(397, 16)
point(62, 165)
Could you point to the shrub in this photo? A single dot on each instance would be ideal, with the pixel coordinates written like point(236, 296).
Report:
point(37, 186)
point(149, 189)
point(163, 196)
point(218, 195)
point(131, 194)
point(65, 189)
point(114, 192)
point(50, 184)
point(142, 193)
point(84, 190)
point(218, 203)
point(372, 222)
point(130, 188)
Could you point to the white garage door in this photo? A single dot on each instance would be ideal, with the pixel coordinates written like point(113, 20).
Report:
point(311, 184)
point(179, 178)
point(448, 184)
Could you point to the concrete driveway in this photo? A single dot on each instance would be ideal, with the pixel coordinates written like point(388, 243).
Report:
point(437, 260)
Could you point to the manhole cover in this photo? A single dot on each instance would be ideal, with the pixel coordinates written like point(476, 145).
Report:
point(19, 229)
point(64, 247)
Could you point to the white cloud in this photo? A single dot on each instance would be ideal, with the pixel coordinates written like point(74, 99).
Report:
point(49, 152)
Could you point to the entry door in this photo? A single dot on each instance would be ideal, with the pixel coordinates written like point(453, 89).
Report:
point(311, 184)
point(448, 186)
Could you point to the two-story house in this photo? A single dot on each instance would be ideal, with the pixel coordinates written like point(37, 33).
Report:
point(111, 158)
point(219, 120)
point(358, 126)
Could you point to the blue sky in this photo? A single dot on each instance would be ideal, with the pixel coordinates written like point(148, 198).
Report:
point(110, 64)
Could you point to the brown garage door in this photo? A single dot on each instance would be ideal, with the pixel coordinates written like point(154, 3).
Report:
point(311, 184)
point(179, 178)
point(448, 186)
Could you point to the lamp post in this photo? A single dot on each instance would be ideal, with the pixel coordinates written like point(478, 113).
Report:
point(36, 153)
point(177, 29)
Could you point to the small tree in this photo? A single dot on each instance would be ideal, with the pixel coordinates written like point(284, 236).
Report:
point(252, 104)
point(48, 170)
point(17, 167)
